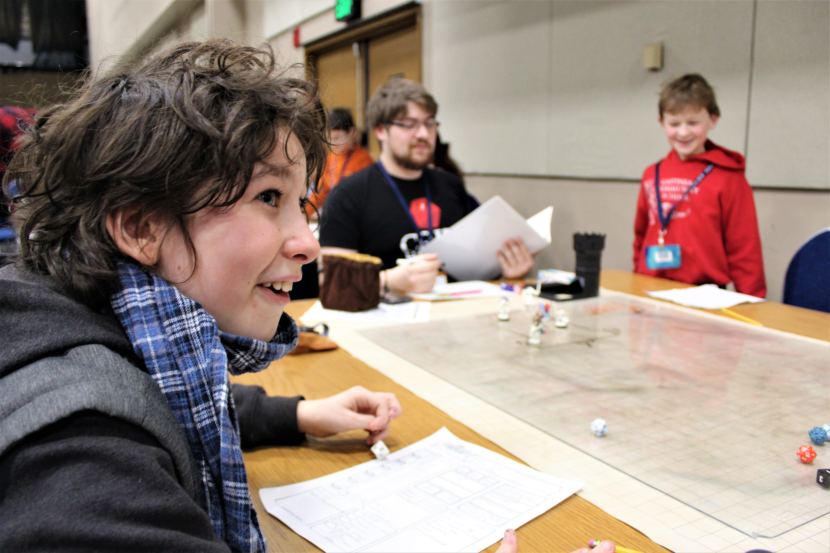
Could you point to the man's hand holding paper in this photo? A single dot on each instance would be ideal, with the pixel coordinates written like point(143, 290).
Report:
point(514, 258)
point(492, 240)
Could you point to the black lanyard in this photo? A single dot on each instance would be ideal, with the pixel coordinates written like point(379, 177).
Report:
point(665, 219)
point(394, 186)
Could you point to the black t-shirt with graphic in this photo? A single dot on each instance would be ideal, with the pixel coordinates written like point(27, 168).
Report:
point(363, 213)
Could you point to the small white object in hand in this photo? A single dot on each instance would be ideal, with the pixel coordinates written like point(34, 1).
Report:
point(380, 450)
point(561, 319)
point(599, 427)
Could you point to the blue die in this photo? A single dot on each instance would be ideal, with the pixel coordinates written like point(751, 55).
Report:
point(817, 435)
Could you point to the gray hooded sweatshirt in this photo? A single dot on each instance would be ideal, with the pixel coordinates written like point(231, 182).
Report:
point(91, 458)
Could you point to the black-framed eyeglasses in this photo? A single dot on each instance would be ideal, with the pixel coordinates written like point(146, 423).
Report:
point(412, 125)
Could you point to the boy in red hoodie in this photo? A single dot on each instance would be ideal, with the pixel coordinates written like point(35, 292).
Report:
point(695, 219)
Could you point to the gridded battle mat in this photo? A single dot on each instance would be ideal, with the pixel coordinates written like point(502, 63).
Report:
point(706, 411)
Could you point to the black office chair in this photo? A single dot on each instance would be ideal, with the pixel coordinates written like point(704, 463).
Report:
point(807, 282)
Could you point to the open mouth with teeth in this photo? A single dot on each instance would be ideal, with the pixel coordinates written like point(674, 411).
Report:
point(278, 287)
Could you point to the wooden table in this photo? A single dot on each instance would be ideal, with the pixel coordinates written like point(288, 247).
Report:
point(797, 320)
point(564, 528)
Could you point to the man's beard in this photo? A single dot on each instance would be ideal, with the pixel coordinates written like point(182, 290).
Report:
point(408, 163)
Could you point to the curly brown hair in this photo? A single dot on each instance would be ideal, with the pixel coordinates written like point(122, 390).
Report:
point(165, 136)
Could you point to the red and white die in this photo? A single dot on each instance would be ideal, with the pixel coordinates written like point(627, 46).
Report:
point(806, 454)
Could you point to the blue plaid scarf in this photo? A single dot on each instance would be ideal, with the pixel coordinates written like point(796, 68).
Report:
point(189, 358)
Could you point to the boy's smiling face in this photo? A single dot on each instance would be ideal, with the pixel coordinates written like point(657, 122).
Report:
point(688, 129)
point(249, 254)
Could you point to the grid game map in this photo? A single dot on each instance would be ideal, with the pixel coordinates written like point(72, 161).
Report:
point(704, 410)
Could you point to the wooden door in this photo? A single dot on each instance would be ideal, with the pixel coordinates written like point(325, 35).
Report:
point(396, 54)
point(337, 73)
point(351, 65)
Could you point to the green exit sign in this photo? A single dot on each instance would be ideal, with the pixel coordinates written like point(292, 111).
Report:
point(347, 10)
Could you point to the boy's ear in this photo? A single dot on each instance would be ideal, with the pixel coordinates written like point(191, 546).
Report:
point(136, 236)
point(715, 119)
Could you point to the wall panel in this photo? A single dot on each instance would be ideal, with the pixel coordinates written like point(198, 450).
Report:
point(558, 89)
point(490, 73)
point(603, 114)
point(789, 126)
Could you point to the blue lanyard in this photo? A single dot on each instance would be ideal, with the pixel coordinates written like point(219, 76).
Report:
point(394, 186)
point(665, 219)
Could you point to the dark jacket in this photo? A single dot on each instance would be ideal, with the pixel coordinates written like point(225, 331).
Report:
point(91, 458)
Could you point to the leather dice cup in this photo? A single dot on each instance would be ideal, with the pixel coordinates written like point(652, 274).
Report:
point(351, 282)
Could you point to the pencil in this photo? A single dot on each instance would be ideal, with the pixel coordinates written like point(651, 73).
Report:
point(740, 317)
point(617, 548)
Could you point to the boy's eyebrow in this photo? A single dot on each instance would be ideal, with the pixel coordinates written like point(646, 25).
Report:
point(278, 171)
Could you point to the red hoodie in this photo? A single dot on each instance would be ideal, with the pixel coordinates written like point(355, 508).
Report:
point(715, 226)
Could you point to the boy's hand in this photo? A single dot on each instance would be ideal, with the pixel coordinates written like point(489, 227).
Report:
point(355, 408)
point(508, 543)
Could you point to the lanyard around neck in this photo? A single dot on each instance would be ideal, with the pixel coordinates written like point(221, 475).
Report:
point(397, 191)
point(665, 219)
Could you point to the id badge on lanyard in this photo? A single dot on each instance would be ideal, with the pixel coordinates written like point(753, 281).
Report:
point(663, 256)
point(668, 256)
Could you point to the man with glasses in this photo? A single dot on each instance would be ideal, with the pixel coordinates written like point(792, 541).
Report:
point(393, 207)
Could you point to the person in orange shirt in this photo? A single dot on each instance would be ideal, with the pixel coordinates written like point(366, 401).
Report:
point(346, 156)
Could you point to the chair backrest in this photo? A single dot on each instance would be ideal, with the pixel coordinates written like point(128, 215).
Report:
point(807, 282)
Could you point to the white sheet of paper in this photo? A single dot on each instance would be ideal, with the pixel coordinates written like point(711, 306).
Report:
point(439, 494)
point(464, 290)
point(468, 248)
point(541, 223)
point(410, 312)
point(706, 296)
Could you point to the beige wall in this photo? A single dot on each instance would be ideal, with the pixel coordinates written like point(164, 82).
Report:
point(558, 88)
point(116, 26)
point(119, 27)
point(131, 28)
